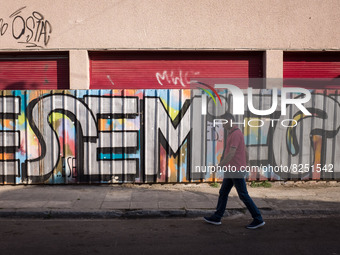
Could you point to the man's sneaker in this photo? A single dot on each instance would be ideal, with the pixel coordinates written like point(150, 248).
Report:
point(212, 220)
point(255, 224)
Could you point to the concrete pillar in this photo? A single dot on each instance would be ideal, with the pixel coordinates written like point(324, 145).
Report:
point(273, 68)
point(79, 69)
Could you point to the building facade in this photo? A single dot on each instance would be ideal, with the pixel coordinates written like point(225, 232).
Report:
point(97, 91)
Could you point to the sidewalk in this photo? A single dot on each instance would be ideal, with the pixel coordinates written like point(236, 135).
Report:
point(191, 200)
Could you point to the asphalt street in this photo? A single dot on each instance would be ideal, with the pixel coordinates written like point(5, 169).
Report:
point(170, 236)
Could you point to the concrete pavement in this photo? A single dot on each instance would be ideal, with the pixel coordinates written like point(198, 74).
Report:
point(109, 201)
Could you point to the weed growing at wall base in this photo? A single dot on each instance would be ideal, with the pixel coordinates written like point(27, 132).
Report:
point(264, 184)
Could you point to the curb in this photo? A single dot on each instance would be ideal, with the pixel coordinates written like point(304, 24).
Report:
point(112, 214)
point(190, 213)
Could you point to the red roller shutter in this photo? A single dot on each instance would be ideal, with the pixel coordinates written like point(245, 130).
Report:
point(21, 71)
point(169, 69)
point(320, 68)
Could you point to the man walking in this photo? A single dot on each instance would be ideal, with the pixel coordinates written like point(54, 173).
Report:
point(235, 156)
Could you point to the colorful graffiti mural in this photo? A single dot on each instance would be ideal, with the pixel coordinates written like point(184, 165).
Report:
point(110, 136)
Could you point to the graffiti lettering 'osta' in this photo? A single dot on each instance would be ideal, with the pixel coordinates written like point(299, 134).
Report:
point(32, 30)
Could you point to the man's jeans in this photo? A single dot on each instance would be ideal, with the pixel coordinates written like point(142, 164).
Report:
point(241, 187)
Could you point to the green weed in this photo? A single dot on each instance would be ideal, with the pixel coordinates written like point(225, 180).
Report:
point(214, 185)
point(264, 184)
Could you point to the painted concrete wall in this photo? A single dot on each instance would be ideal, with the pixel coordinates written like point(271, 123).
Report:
point(204, 24)
point(272, 26)
point(105, 136)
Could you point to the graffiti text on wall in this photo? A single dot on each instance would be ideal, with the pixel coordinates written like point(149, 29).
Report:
point(105, 136)
point(175, 78)
point(31, 29)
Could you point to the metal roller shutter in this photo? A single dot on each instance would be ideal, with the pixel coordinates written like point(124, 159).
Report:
point(23, 71)
point(319, 68)
point(165, 70)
